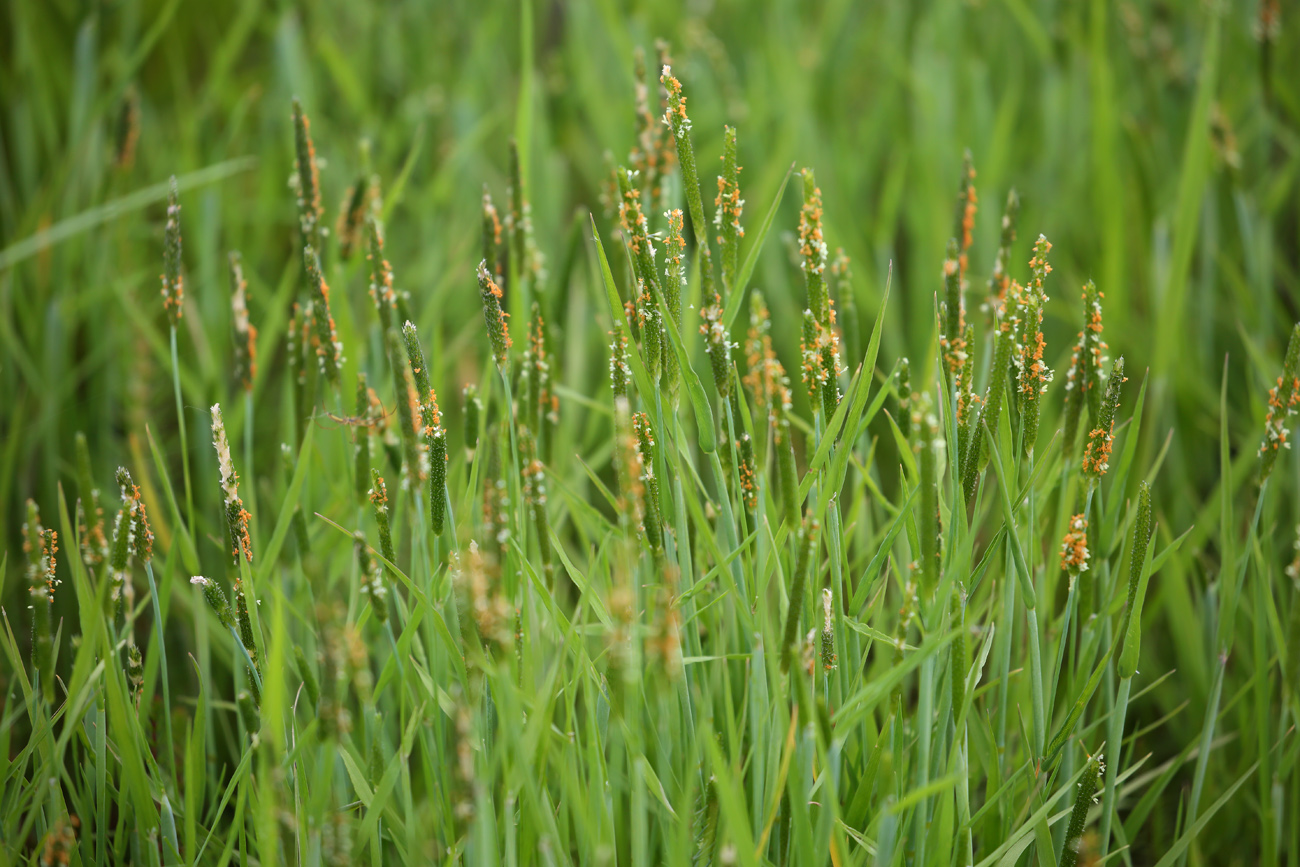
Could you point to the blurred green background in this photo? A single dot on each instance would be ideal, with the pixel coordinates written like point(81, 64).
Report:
point(1154, 143)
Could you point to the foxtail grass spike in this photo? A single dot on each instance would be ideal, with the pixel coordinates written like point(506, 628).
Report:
point(306, 181)
point(372, 577)
point(173, 281)
point(435, 436)
point(952, 339)
point(765, 377)
point(236, 516)
point(964, 220)
point(1283, 399)
point(216, 600)
point(1132, 629)
point(806, 547)
point(494, 318)
point(627, 456)
point(1096, 454)
point(329, 350)
point(381, 274)
point(245, 332)
point(408, 408)
point(673, 286)
point(1084, 380)
point(747, 471)
point(676, 119)
point(718, 345)
point(352, 215)
point(641, 247)
point(365, 438)
point(620, 374)
point(1033, 374)
point(727, 209)
point(379, 505)
point(1074, 548)
point(491, 235)
point(1085, 797)
point(646, 449)
point(828, 631)
point(813, 251)
point(1000, 281)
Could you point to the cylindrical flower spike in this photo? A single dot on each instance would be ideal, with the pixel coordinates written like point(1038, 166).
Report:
point(806, 546)
point(747, 471)
point(408, 408)
point(1084, 380)
point(1033, 372)
point(491, 234)
point(620, 374)
point(677, 121)
point(216, 599)
point(494, 318)
point(1283, 399)
point(1000, 281)
point(1084, 798)
point(365, 439)
point(379, 504)
point(627, 458)
point(828, 630)
point(435, 436)
point(329, 350)
point(1132, 629)
point(173, 281)
point(372, 577)
point(381, 274)
point(306, 182)
point(813, 251)
point(783, 444)
point(727, 208)
point(674, 266)
point(717, 345)
point(1074, 548)
point(352, 213)
point(641, 246)
point(236, 516)
point(953, 312)
point(245, 332)
point(765, 376)
point(1096, 454)
point(646, 448)
point(964, 220)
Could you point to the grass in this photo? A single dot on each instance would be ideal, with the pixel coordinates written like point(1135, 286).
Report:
point(649, 539)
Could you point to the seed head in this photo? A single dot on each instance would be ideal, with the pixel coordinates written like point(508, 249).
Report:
point(813, 251)
point(381, 273)
point(173, 281)
point(1074, 548)
point(216, 599)
point(245, 332)
point(494, 318)
point(236, 516)
point(306, 182)
point(1283, 399)
point(1096, 455)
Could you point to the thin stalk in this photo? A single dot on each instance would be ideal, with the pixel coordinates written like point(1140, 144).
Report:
point(1114, 737)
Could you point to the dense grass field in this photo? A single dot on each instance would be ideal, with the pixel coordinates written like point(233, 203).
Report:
point(574, 433)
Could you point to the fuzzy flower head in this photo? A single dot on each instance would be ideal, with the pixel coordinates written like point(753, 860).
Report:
point(1096, 455)
point(173, 281)
point(1283, 399)
point(493, 317)
point(236, 515)
point(245, 332)
point(1074, 548)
